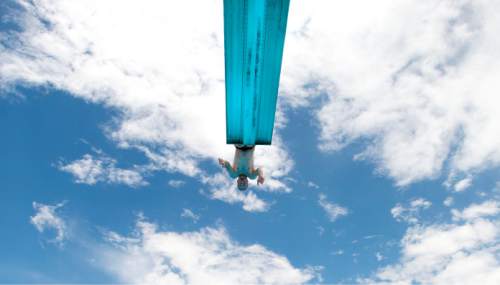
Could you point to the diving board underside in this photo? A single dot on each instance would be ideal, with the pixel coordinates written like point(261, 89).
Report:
point(254, 35)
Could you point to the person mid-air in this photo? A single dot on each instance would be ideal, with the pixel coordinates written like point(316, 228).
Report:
point(243, 166)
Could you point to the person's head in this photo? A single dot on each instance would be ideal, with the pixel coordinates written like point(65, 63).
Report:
point(242, 182)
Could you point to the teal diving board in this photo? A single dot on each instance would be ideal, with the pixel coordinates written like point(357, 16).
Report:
point(254, 36)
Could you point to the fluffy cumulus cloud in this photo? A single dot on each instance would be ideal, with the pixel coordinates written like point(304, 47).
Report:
point(466, 252)
point(90, 170)
point(411, 212)
point(416, 80)
point(332, 210)
point(488, 208)
point(47, 218)
point(207, 256)
point(463, 184)
point(162, 72)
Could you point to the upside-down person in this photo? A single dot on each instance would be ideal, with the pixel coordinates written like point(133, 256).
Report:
point(242, 167)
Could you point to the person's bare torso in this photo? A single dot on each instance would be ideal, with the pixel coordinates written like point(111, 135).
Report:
point(243, 160)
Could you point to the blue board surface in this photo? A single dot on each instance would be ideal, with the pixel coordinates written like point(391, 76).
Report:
point(254, 36)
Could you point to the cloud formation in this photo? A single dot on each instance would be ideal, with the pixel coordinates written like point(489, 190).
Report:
point(176, 183)
point(90, 170)
point(415, 80)
point(46, 217)
point(188, 214)
point(207, 256)
point(162, 74)
point(463, 184)
point(411, 213)
point(332, 210)
point(474, 211)
point(451, 253)
point(448, 201)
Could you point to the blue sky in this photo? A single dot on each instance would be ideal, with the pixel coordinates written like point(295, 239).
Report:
point(384, 164)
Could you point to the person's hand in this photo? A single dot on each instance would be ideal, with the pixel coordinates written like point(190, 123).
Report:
point(260, 180)
point(222, 161)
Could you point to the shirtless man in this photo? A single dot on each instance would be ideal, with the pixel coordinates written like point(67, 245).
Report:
point(243, 167)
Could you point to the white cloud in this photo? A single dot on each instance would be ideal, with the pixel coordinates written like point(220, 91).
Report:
point(379, 256)
point(420, 203)
point(474, 211)
point(315, 271)
point(333, 211)
point(448, 201)
point(46, 217)
point(168, 91)
point(86, 170)
point(311, 184)
point(126, 176)
point(337, 252)
point(90, 170)
point(188, 214)
point(207, 256)
point(461, 253)
point(463, 184)
point(411, 213)
point(176, 183)
point(416, 80)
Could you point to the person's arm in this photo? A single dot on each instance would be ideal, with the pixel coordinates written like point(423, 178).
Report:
point(261, 179)
point(259, 174)
point(228, 167)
